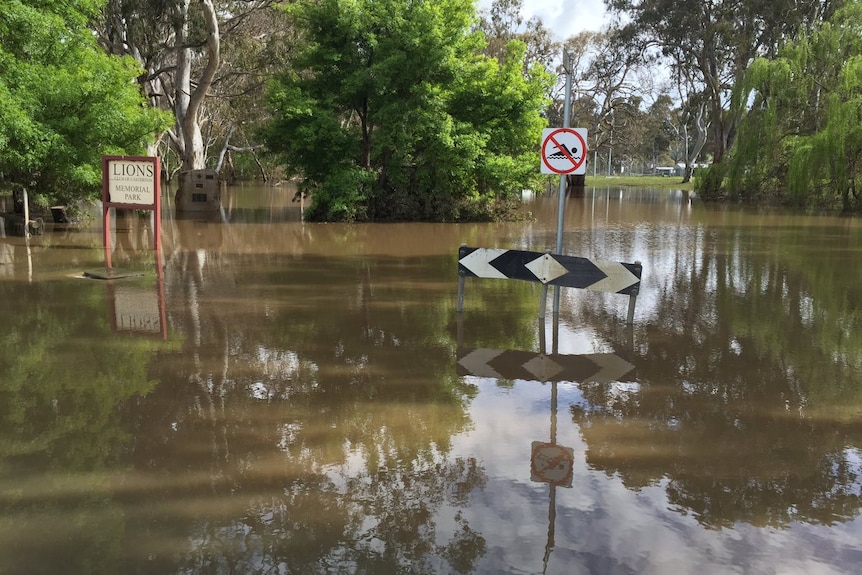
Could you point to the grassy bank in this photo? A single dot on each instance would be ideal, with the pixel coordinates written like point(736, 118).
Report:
point(655, 182)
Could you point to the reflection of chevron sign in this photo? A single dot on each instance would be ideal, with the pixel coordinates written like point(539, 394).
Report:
point(550, 269)
point(525, 365)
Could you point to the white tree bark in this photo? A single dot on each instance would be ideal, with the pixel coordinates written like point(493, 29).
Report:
point(189, 98)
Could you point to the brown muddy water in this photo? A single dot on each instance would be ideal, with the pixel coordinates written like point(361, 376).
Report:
point(295, 398)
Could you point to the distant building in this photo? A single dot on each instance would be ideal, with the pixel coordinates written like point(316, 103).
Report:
point(677, 170)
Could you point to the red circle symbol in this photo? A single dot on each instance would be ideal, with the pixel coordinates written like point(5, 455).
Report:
point(564, 151)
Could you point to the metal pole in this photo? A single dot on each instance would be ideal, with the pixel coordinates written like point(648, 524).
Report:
point(630, 319)
point(562, 204)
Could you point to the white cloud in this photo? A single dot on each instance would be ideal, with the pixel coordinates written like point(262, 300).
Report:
point(564, 18)
point(601, 526)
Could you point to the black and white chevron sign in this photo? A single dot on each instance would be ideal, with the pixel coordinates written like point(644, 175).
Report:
point(550, 269)
point(525, 365)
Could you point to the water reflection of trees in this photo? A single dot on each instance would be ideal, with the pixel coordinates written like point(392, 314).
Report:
point(64, 374)
point(746, 402)
point(306, 425)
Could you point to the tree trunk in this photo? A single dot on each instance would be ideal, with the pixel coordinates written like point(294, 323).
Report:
point(189, 101)
point(697, 146)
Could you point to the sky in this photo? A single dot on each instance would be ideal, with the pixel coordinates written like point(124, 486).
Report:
point(564, 18)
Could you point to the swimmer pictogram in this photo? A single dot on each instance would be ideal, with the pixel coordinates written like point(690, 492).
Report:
point(564, 151)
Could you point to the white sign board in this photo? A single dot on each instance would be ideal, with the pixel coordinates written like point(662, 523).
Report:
point(131, 182)
point(564, 151)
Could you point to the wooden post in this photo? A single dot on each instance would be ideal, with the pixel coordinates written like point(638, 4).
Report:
point(106, 233)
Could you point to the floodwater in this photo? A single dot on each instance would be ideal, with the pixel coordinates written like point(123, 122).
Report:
point(295, 398)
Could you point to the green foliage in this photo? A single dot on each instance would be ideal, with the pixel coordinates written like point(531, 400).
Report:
point(800, 142)
point(392, 113)
point(63, 102)
point(709, 181)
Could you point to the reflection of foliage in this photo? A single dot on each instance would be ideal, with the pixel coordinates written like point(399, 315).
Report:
point(64, 377)
point(54, 373)
point(284, 484)
point(402, 502)
point(307, 425)
point(92, 529)
point(747, 396)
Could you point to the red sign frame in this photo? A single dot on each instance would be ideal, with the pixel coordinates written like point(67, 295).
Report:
point(107, 204)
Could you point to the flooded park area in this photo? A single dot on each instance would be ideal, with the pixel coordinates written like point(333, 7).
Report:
point(264, 395)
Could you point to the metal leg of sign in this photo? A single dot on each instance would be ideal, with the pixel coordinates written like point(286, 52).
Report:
point(26, 213)
point(460, 294)
point(557, 292)
point(631, 317)
point(555, 335)
point(543, 302)
point(543, 343)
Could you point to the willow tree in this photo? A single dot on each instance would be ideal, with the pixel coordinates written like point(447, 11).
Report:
point(710, 46)
point(801, 139)
point(392, 112)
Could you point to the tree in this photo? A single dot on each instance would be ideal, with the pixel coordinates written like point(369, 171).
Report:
point(63, 102)
point(800, 140)
point(605, 97)
point(169, 39)
point(715, 42)
point(182, 45)
point(391, 112)
point(661, 131)
point(503, 23)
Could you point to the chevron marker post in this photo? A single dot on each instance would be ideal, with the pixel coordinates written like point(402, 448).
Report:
point(549, 269)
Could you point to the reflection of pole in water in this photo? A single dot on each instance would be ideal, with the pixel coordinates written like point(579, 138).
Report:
point(552, 501)
point(552, 517)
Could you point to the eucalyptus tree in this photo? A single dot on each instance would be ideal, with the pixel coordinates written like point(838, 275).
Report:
point(182, 46)
point(606, 95)
point(659, 133)
point(392, 112)
point(715, 42)
point(503, 22)
point(63, 102)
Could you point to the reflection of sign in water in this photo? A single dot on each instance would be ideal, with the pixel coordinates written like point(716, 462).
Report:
point(530, 366)
point(136, 310)
point(550, 463)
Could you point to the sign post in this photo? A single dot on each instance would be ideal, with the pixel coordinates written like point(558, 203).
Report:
point(130, 183)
